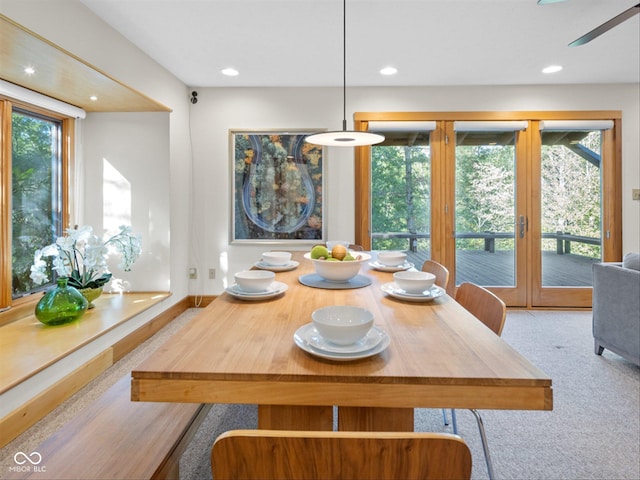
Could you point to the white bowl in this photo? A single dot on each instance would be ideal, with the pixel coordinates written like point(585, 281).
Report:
point(254, 281)
point(392, 259)
point(339, 271)
point(414, 282)
point(276, 258)
point(342, 325)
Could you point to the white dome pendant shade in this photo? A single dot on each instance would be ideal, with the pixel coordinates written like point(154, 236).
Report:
point(344, 137)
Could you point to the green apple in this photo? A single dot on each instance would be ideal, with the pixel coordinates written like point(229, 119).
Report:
point(319, 252)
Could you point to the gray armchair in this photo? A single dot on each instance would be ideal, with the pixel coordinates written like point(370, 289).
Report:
point(616, 307)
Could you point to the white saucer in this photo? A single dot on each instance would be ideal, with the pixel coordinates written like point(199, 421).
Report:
point(313, 338)
point(290, 265)
point(386, 268)
point(302, 340)
point(396, 292)
point(275, 289)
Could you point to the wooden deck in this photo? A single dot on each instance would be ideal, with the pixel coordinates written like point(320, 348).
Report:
point(495, 269)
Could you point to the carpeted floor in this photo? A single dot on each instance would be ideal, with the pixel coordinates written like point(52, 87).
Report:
point(593, 431)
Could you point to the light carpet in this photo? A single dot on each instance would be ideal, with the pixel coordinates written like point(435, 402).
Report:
point(593, 431)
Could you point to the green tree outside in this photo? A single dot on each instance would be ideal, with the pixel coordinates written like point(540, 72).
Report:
point(35, 198)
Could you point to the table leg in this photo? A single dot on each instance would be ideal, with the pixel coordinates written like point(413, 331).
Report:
point(293, 417)
point(370, 419)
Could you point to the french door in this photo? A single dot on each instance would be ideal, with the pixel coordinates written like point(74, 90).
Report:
point(522, 204)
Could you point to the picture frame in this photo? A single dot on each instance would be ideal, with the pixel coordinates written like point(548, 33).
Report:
point(277, 187)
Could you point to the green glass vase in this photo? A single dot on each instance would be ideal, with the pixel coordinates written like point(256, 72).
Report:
point(62, 304)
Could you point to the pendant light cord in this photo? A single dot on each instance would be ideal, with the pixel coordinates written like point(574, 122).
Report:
point(344, 65)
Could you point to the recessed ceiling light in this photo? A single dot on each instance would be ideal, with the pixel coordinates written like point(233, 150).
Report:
point(230, 72)
point(93, 98)
point(389, 71)
point(29, 70)
point(552, 69)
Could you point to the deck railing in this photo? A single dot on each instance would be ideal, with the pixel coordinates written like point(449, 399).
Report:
point(563, 239)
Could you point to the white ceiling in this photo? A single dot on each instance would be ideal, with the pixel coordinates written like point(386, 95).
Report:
point(430, 42)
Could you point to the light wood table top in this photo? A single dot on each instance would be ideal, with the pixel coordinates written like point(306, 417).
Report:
point(439, 355)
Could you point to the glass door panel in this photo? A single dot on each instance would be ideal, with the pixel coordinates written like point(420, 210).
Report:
point(570, 207)
point(401, 194)
point(485, 215)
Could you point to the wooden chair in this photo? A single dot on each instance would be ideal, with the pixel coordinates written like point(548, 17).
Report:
point(300, 455)
point(484, 305)
point(442, 275)
point(491, 311)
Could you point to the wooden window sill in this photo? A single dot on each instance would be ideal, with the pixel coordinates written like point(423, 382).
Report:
point(28, 347)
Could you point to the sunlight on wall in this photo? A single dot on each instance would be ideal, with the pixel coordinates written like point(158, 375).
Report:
point(116, 209)
point(116, 198)
point(224, 267)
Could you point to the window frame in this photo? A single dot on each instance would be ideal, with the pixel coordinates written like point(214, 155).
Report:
point(11, 309)
point(443, 196)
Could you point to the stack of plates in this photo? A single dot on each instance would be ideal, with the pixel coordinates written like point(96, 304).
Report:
point(290, 265)
point(309, 340)
point(394, 291)
point(275, 289)
point(386, 268)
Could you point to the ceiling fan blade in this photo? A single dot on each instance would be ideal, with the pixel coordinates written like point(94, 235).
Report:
point(606, 26)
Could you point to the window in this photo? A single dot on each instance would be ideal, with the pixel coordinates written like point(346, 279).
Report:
point(401, 186)
point(34, 200)
point(520, 202)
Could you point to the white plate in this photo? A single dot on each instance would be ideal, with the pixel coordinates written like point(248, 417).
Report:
point(396, 292)
point(291, 265)
point(301, 335)
point(386, 268)
point(275, 289)
point(313, 338)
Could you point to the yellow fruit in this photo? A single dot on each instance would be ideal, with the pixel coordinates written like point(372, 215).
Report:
point(338, 252)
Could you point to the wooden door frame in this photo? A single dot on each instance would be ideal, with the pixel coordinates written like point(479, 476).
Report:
point(528, 262)
point(611, 215)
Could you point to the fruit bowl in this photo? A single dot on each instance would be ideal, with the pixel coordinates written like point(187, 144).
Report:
point(336, 270)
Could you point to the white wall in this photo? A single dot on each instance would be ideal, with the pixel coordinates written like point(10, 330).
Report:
point(125, 165)
point(219, 110)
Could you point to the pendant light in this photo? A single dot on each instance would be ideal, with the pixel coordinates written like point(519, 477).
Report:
point(344, 137)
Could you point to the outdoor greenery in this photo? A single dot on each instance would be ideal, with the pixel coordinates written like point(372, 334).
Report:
point(35, 194)
point(485, 193)
point(400, 194)
point(571, 194)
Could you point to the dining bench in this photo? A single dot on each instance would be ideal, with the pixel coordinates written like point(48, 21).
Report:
point(117, 438)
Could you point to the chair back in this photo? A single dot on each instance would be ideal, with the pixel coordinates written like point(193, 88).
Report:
point(485, 305)
point(300, 455)
point(441, 273)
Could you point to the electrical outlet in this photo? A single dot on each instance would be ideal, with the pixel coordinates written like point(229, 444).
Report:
point(635, 193)
point(193, 273)
point(212, 273)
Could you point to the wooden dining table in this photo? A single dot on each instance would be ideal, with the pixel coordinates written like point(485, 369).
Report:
point(243, 352)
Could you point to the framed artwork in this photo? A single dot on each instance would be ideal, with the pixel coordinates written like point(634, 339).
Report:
point(278, 188)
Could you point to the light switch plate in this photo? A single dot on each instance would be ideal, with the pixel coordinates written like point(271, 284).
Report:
point(635, 194)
